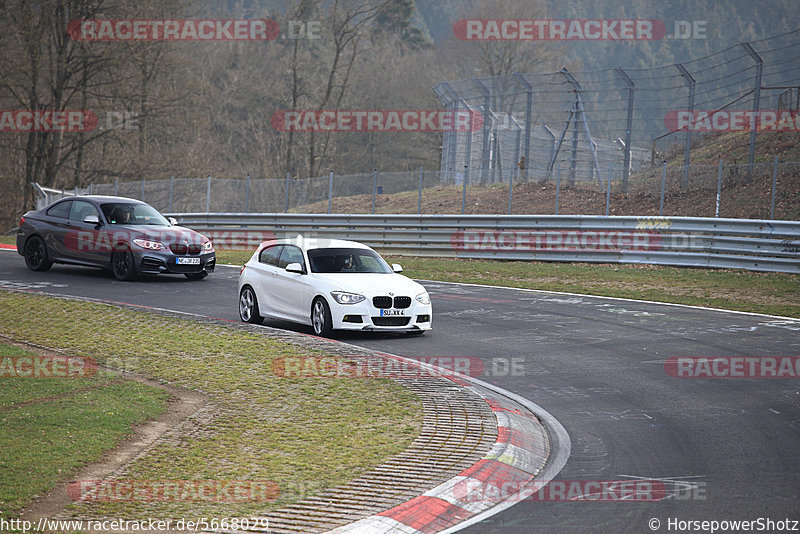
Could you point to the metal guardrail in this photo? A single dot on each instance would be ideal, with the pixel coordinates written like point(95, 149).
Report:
point(758, 245)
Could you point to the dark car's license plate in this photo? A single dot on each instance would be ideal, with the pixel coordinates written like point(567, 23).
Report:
point(187, 261)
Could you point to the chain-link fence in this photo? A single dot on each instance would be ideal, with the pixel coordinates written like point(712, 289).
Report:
point(764, 190)
point(585, 122)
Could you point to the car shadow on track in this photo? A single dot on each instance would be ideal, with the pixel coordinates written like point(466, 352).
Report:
point(345, 336)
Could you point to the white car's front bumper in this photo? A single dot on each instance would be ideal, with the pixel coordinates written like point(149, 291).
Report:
point(366, 316)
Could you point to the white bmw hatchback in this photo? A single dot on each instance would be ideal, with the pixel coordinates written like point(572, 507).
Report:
point(331, 285)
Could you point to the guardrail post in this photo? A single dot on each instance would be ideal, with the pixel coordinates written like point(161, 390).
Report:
point(288, 178)
point(374, 187)
point(116, 187)
point(558, 184)
point(330, 190)
point(608, 189)
point(208, 194)
point(91, 188)
point(171, 189)
point(774, 185)
point(464, 190)
point(663, 186)
point(419, 198)
point(719, 187)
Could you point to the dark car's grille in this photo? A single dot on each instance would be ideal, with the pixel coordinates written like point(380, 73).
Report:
point(386, 302)
point(390, 321)
point(382, 302)
point(402, 302)
point(183, 248)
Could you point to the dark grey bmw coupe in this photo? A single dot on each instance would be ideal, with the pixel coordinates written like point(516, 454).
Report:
point(128, 236)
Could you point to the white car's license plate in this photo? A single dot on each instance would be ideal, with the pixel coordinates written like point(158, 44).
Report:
point(390, 313)
point(187, 261)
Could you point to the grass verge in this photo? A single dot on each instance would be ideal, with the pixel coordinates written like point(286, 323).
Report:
point(770, 293)
point(302, 434)
point(49, 427)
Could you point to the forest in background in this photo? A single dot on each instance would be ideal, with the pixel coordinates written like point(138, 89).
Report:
point(193, 108)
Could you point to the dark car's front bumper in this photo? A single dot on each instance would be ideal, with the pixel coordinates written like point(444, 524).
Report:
point(148, 262)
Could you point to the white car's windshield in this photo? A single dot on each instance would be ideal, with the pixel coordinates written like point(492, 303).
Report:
point(346, 260)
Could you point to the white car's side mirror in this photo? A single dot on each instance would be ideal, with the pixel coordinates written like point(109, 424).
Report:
point(295, 268)
point(173, 221)
point(397, 268)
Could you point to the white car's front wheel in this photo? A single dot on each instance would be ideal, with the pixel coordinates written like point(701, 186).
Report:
point(321, 318)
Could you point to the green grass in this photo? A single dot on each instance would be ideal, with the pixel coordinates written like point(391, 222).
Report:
point(303, 434)
point(8, 240)
point(770, 293)
point(49, 427)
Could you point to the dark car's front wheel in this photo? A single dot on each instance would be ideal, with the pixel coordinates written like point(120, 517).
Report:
point(123, 265)
point(248, 306)
point(321, 318)
point(36, 257)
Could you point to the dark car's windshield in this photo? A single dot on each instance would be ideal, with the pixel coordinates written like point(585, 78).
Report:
point(346, 260)
point(136, 214)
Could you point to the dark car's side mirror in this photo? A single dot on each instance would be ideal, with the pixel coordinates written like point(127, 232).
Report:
point(91, 219)
point(295, 268)
point(173, 221)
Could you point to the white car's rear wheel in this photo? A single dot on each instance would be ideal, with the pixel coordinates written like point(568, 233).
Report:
point(248, 306)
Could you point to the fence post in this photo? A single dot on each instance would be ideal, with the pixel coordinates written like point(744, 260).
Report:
point(464, 190)
point(663, 186)
point(608, 189)
point(628, 126)
point(756, 104)
point(774, 185)
point(288, 178)
point(687, 149)
point(419, 198)
point(142, 192)
point(247, 195)
point(116, 187)
point(558, 184)
point(330, 190)
point(528, 110)
point(719, 187)
point(171, 188)
point(485, 149)
point(208, 194)
point(91, 188)
point(510, 188)
point(374, 187)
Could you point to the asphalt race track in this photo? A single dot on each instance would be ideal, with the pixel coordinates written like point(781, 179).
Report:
point(723, 448)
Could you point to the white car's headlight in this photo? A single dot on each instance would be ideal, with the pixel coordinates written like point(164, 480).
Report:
point(423, 298)
point(343, 297)
point(148, 245)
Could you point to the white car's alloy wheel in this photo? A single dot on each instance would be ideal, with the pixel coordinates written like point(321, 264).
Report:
point(248, 306)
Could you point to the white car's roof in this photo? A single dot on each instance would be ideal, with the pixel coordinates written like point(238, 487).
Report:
point(310, 243)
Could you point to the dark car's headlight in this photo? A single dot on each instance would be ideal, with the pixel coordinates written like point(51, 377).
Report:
point(148, 245)
point(423, 298)
point(208, 246)
point(343, 297)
